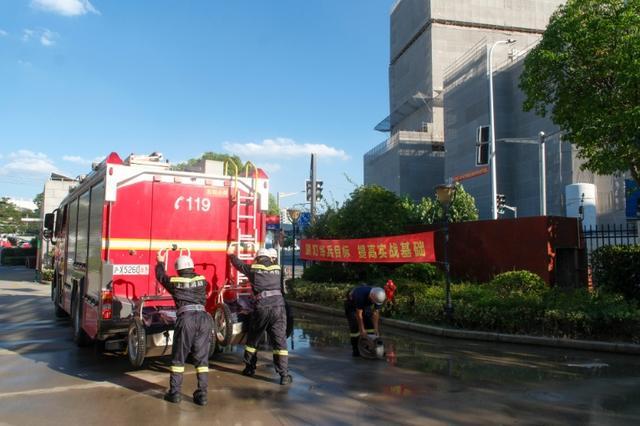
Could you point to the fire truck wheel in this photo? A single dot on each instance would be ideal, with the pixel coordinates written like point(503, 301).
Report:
point(289, 319)
point(136, 343)
point(213, 345)
point(222, 324)
point(79, 335)
point(57, 310)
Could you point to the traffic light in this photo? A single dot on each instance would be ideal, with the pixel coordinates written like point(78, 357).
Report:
point(318, 190)
point(501, 201)
point(309, 190)
point(482, 146)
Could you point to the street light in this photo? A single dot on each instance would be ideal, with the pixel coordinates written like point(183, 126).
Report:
point(294, 215)
point(446, 194)
point(492, 153)
point(543, 175)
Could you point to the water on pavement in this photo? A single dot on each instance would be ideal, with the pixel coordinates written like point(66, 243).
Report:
point(46, 379)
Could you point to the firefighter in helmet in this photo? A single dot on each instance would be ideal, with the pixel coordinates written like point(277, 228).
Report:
point(269, 314)
point(362, 308)
point(192, 334)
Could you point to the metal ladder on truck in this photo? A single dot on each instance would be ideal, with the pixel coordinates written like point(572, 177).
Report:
point(245, 205)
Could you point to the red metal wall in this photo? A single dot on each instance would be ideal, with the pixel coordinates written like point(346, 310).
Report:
point(479, 250)
point(482, 249)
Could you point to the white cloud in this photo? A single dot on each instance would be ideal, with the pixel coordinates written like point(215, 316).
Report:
point(76, 159)
point(27, 163)
point(3, 33)
point(284, 147)
point(27, 34)
point(23, 203)
point(46, 37)
point(65, 7)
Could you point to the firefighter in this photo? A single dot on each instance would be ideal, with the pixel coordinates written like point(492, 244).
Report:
point(192, 334)
point(362, 308)
point(269, 314)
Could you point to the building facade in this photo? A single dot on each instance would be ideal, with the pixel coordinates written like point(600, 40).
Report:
point(427, 36)
point(439, 96)
point(518, 154)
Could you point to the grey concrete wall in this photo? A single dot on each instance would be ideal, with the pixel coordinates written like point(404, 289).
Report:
point(54, 192)
point(383, 170)
point(533, 14)
point(466, 107)
point(422, 169)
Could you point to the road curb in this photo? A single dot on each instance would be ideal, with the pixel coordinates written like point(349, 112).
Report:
point(588, 345)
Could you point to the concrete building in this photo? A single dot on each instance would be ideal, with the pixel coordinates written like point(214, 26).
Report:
point(427, 36)
point(465, 99)
point(55, 190)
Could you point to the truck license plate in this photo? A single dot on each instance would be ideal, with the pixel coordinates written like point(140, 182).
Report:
point(130, 269)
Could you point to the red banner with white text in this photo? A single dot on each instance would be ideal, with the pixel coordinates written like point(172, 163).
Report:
point(409, 248)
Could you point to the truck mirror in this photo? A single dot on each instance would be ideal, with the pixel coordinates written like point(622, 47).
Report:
point(49, 219)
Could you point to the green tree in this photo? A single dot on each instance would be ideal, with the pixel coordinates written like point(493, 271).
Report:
point(586, 72)
point(10, 216)
point(11, 219)
point(273, 205)
point(38, 200)
point(216, 157)
point(430, 210)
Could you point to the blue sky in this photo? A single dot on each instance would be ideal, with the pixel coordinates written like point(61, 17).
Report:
point(270, 81)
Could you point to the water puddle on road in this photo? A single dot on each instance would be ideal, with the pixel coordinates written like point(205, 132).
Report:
point(470, 361)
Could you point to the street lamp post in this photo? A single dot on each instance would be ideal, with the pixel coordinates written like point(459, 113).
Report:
point(294, 215)
point(543, 175)
point(446, 195)
point(492, 154)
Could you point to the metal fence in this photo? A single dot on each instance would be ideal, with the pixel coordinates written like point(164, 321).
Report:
point(610, 235)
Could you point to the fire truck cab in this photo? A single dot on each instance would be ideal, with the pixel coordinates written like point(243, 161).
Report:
point(110, 228)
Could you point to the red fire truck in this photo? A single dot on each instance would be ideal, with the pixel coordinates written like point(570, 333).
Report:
point(111, 226)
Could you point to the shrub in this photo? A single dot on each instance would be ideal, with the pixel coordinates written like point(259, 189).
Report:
point(617, 269)
point(518, 282)
point(421, 272)
point(46, 274)
point(515, 302)
point(16, 256)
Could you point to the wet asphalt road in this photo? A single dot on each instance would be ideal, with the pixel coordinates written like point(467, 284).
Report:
point(45, 379)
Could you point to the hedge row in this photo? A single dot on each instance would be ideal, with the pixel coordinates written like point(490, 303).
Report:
point(11, 256)
point(617, 269)
point(514, 302)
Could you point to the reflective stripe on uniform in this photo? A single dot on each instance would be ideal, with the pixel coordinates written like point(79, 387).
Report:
point(186, 280)
point(250, 349)
point(265, 268)
point(354, 334)
point(370, 330)
point(177, 368)
point(204, 369)
point(281, 352)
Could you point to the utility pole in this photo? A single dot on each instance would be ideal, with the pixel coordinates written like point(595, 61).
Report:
point(543, 175)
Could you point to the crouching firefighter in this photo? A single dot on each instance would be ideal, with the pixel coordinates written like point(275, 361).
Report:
point(362, 308)
point(269, 314)
point(192, 333)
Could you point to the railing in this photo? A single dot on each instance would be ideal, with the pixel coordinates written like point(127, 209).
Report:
point(610, 235)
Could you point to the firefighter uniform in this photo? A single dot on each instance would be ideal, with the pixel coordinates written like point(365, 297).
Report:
point(192, 333)
point(269, 315)
point(358, 299)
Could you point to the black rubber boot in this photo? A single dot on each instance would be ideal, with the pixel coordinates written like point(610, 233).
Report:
point(249, 371)
point(174, 397)
point(286, 380)
point(200, 397)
